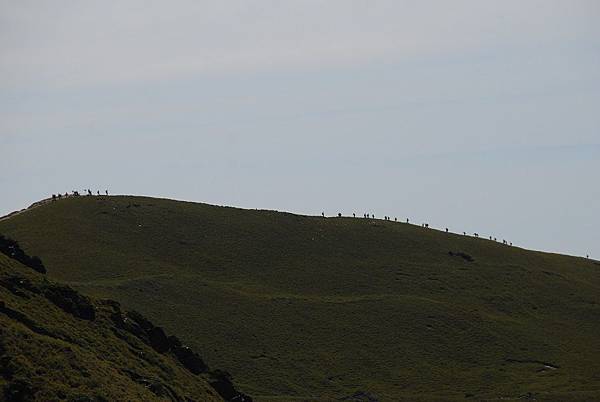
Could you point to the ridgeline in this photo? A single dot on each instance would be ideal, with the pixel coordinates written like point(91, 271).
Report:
point(310, 308)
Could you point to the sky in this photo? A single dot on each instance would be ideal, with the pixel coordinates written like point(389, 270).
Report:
point(479, 116)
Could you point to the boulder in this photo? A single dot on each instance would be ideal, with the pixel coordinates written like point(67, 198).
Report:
point(19, 286)
point(187, 357)
point(159, 340)
point(464, 256)
point(221, 382)
point(11, 249)
point(70, 301)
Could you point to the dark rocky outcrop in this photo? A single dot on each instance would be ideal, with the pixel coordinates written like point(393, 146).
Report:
point(221, 382)
point(71, 301)
point(123, 322)
point(188, 358)
point(62, 296)
point(139, 326)
point(464, 256)
point(142, 328)
point(11, 248)
point(132, 323)
point(159, 340)
point(19, 286)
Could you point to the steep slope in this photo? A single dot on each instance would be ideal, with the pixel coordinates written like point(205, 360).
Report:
point(304, 308)
point(56, 344)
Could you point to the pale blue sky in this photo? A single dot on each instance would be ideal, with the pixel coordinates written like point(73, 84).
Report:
point(475, 115)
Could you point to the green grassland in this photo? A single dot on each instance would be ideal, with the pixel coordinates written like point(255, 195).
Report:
point(48, 354)
point(308, 308)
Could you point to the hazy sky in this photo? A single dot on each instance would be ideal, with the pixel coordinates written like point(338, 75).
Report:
point(476, 115)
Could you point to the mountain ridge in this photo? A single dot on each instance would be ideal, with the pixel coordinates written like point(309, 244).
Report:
point(307, 308)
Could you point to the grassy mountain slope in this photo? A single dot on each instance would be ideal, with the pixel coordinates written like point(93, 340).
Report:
point(304, 308)
point(48, 353)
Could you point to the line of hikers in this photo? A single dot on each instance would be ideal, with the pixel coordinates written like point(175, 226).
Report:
point(425, 225)
point(75, 193)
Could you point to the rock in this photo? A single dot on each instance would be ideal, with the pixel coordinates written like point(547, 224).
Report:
point(139, 326)
point(71, 302)
point(189, 359)
point(142, 321)
point(221, 382)
point(19, 286)
point(123, 322)
point(11, 249)
point(464, 256)
point(159, 340)
point(115, 305)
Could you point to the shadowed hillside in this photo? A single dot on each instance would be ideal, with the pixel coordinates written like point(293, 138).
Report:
point(309, 308)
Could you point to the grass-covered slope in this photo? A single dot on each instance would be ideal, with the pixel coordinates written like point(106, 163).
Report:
point(308, 308)
point(57, 345)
